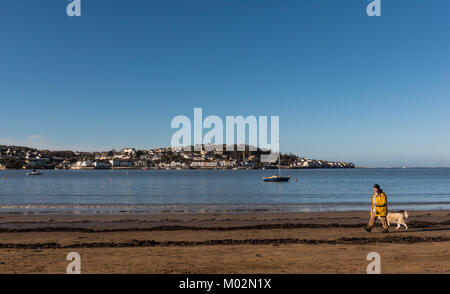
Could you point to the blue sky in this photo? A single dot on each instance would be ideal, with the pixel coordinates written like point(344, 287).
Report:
point(374, 91)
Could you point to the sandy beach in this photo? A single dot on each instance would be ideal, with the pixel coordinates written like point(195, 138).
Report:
point(332, 242)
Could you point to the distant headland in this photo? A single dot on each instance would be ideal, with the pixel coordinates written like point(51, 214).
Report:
point(17, 157)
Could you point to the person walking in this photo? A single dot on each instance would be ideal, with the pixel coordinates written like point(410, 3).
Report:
point(379, 209)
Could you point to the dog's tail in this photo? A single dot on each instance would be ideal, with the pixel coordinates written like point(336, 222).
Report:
point(405, 213)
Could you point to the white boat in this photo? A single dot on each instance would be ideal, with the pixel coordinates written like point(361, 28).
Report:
point(34, 173)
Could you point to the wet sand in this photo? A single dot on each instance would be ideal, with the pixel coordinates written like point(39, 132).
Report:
point(331, 242)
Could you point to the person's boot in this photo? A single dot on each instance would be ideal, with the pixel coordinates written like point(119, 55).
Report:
point(368, 229)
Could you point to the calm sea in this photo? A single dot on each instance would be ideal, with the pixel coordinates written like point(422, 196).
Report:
point(221, 190)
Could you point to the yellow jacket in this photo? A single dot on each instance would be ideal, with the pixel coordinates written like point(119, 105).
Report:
point(379, 201)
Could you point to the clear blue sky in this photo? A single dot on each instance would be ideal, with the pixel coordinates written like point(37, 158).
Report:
point(375, 91)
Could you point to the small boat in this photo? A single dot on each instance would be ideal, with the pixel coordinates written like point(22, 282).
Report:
point(279, 177)
point(34, 173)
point(276, 179)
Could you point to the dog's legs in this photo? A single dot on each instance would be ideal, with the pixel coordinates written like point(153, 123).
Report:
point(398, 226)
point(403, 223)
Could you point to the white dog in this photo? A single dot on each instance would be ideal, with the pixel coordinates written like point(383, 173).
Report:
point(398, 218)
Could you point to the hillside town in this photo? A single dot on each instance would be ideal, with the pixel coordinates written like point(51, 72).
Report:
point(16, 157)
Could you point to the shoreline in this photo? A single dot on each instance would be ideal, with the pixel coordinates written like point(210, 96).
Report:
point(2, 168)
point(314, 242)
point(182, 169)
point(216, 208)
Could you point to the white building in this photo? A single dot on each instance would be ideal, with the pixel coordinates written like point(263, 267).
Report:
point(84, 163)
point(121, 163)
point(177, 164)
point(81, 164)
point(204, 164)
point(226, 163)
point(128, 151)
